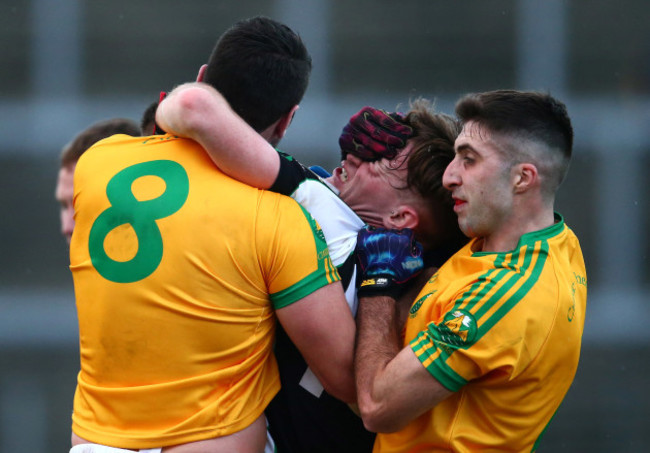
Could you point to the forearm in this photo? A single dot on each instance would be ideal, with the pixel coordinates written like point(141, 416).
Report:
point(199, 112)
point(378, 342)
point(393, 387)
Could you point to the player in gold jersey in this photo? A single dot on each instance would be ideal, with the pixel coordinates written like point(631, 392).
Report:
point(181, 272)
point(491, 343)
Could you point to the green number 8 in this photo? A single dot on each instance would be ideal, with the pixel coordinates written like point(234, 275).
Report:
point(141, 215)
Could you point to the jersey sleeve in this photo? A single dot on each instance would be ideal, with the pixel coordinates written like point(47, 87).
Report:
point(469, 340)
point(293, 251)
point(291, 175)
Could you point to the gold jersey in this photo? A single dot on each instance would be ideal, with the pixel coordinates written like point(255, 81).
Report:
point(503, 332)
point(177, 269)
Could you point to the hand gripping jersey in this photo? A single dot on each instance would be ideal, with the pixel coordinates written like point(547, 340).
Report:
point(177, 269)
point(502, 331)
point(303, 417)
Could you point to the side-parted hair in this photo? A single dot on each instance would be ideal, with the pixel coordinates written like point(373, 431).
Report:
point(534, 125)
point(94, 133)
point(262, 68)
point(432, 151)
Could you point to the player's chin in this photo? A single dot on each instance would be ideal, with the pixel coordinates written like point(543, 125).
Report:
point(466, 227)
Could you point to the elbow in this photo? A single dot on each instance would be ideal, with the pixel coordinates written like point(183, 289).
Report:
point(378, 418)
point(342, 389)
point(193, 105)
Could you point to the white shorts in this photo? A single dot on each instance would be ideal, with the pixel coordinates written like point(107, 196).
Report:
point(96, 448)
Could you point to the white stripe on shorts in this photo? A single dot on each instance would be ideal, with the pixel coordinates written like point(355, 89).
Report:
point(97, 448)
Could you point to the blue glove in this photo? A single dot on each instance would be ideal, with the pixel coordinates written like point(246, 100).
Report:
point(387, 259)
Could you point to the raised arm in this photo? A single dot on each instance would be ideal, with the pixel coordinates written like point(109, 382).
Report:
point(199, 112)
point(393, 387)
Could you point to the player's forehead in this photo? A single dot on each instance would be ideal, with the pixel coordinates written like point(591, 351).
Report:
point(476, 137)
point(64, 182)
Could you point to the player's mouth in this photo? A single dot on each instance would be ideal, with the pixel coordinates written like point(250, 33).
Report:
point(341, 173)
point(458, 204)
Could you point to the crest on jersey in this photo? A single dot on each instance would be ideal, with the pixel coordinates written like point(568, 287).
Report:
point(458, 328)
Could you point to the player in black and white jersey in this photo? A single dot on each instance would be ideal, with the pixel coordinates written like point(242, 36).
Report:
point(390, 176)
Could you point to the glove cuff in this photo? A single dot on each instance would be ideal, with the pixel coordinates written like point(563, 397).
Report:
point(381, 285)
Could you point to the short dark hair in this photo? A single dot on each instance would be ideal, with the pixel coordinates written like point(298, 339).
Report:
point(94, 133)
point(432, 151)
point(525, 115)
point(262, 68)
point(148, 124)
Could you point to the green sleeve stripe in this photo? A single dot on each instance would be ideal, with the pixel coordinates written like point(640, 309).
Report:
point(503, 270)
point(503, 280)
point(325, 274)
point(486, 282)
point(324, 260)
point(297, 291)
point(439, 369)
point(508, 272)
point(506, 279)
point(530, 281)
point(478, 290)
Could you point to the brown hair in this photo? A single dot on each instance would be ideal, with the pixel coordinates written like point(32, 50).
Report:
point(94, 133)
point(433, 150)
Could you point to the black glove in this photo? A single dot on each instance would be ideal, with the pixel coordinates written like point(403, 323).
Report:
point(372, 134)
point(387, 259)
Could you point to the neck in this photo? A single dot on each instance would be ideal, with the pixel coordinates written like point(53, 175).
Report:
point(508, 235)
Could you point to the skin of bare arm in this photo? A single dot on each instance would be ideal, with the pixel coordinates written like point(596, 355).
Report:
point(324, 334)
point(393, 387)
point(199, 112)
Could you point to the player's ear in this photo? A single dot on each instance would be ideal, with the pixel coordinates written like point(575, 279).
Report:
point(201, 75)
point(284, 122)
point(525, 176)
point(404, 216)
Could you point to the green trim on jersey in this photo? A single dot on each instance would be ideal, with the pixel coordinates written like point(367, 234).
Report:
point(507, 273)
point(438, 368)
point(325, 274)
point(537, 442)
point(510, 279)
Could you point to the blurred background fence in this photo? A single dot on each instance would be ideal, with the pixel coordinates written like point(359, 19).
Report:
point(68, 63)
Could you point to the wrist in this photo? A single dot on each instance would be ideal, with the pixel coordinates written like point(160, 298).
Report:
point(379, 286)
